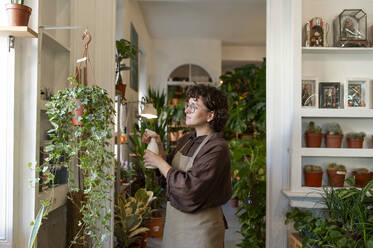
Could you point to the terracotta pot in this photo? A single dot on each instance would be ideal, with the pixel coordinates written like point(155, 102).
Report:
point(123, 139)
point(155, 227)
point(174, 101)
point(362, 179)
point(76, 113)
point(313, 139)
point(18, 14)
point(355, 143)
point(313, 179)
point(234, 203)
point(140, 242)
point(336, 178)
point(120, 89)
point(333, 141)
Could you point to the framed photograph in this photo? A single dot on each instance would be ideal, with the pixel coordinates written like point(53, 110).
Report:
point(330, 95)
point(358, 93)
point(309, 92)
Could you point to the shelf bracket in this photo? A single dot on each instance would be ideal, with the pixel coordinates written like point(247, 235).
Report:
point(11, 42)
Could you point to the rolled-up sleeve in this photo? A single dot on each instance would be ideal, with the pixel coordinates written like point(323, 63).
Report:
point(207, 184)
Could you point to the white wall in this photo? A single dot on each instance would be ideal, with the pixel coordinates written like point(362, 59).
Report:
point(169, 54)
point(128, 11)
point(243, 53)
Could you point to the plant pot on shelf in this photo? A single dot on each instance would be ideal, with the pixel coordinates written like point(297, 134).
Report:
point(18, 14)
point(333, 141)
point(355, 143)
point(362, 178)
point(313, 139)
point(313, 179)
point(155, 226)
point(336, 177)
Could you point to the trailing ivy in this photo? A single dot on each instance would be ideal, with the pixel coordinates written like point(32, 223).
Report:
point(85, 150)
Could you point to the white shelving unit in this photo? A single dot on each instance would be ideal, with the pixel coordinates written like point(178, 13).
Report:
point(329, 64)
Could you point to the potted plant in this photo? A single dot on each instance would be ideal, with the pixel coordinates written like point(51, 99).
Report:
point(333, 136)
point(355, 140)
point(313, 175)
point(336, 174)
point(124, 51)
point(362, 177)
point(130, 213)
point(85, 150)
point(18, 13)
point(313, 135)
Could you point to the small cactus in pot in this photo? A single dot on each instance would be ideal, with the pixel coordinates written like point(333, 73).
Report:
point(362, 177)
point(312, 175)
point(336, 174)
point(333, 136)
point(355, 139)
point(313, 135)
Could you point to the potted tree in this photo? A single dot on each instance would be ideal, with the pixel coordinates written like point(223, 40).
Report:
point(18, 13)
point(124, 51)
point(355, 140)
point(362, 177)
point(333, 136)
point(313, 175)
point(313, 135)
point(85, 150)
point(336, 174)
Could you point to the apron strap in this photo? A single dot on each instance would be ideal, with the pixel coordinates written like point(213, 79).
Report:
point(201, 145)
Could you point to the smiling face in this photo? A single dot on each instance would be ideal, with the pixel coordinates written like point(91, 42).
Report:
point(197, 114)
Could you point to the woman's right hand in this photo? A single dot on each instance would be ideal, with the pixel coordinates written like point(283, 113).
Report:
point(147, 137)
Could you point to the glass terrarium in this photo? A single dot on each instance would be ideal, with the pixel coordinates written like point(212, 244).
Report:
point(350, 29)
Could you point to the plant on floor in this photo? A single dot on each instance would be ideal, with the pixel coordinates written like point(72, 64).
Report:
point(249, 159)
point(245, 89)
point(85, 150)
point(130, 213)
point(347, 221)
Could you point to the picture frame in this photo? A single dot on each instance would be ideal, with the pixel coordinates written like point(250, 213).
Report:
point(309, 92)
point(330, 95)
point(358, 93)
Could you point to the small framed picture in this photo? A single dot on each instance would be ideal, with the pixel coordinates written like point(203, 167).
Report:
point(358, 93)
point(330, 95)
point(309, 92)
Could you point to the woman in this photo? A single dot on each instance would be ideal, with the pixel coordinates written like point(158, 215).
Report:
point(197, 174)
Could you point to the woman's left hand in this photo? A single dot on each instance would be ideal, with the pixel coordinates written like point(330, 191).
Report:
point(152, 159)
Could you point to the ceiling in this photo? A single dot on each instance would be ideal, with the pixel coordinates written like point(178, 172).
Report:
point(234, 22)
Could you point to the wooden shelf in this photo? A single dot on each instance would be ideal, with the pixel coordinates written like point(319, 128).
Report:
point(337, 152)
point(18, 31)
point(337, 50)
point(337, 113)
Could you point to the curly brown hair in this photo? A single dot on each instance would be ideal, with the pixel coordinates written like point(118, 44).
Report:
point(215, 101)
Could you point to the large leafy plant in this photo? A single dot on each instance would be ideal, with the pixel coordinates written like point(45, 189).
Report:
point(245, 88)
point(85, 150)
point(248, 166)
point(347, 221)
point(129, 216)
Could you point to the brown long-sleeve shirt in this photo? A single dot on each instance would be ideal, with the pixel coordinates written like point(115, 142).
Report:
point(208, 183)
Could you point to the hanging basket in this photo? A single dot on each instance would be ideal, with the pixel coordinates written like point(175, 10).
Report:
point(18, 14)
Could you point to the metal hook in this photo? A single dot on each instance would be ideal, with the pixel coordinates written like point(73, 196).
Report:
point(88, 35)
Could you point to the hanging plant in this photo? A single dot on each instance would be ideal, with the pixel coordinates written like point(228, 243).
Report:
point(84, 149)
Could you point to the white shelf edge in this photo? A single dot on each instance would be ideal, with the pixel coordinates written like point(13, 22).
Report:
point(56, 41)
point(186, 83)
point(59, 198)
point(305, 199)
point(337, 50)
point(337, 152)
point(338, 113)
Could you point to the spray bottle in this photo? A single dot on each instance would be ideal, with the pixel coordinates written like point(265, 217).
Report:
point(152, 146)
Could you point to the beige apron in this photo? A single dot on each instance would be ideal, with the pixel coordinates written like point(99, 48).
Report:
point(203, 229)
